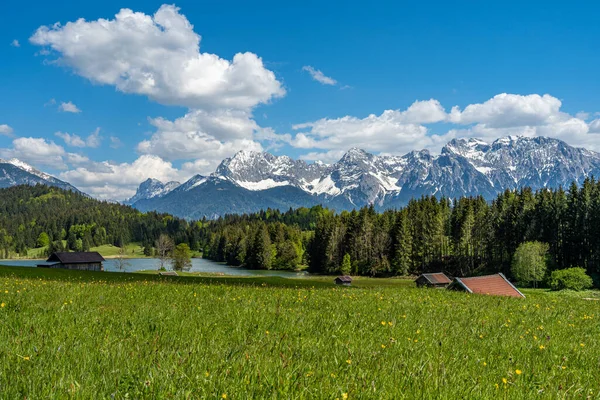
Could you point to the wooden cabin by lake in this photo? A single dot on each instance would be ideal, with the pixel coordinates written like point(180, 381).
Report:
point(343, 280)
point(434, 280)
point(82, 260)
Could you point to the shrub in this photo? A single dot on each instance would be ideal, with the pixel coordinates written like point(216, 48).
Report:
point(570, 278)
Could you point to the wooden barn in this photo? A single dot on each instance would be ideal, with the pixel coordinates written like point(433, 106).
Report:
point(84, 261)
point(434, 280)
point(343, 280)
point(494, 285)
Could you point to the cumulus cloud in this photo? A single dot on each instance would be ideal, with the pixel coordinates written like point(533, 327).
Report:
point(202, 138)
point(15, 43)
point(595, 126)
point(36, 151)
point(159, 56)
point(6, 130)
point(93, 140)
point(396, 131)
point(118, 181)
point(509, 110)
point(319, 76)
point(392, 131)
point(68, 107)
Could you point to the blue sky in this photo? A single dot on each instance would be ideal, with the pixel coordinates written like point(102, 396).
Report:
point(149, 105)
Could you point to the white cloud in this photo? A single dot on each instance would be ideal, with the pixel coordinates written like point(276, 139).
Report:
point(118, 181)
point(319, 76)
point(397, 132)
point(93, 140)
point(392, 131)
point(6, 130)
point(36, 151)
point(203, 138)
point(15, 43)
point(595, 126)
point(115, 142)
point(509, 110)
point(159, 56)
point(68, 107)
point(71, 140)
point(328, 157)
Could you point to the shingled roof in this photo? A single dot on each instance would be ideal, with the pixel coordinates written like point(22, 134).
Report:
point(80, 257)
point(437, 278)
point(495, 285)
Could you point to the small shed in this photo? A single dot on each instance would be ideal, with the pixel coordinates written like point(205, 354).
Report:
point(494, 285)
point(435, 280)
point(82, 260)
point(168, 273)
point(343, 280)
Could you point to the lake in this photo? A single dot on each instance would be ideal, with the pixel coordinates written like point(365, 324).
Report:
point(198, 265)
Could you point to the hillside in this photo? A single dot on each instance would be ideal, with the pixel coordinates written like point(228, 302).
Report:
point(37, 216)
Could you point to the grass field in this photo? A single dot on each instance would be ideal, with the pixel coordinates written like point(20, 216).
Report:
point(89, 335)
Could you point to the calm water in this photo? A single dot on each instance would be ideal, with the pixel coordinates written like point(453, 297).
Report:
point(198, 265)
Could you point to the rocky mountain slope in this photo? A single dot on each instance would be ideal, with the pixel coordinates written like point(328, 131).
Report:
point(250, 181)
point(15, 172)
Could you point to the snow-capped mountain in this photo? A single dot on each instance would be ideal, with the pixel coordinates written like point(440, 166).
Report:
point(465, 167)
point(152, 188)
point(15, 172)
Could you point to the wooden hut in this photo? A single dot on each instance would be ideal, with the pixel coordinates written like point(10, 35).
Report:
point(83, 261)
point(434, 280)
point(494, 285)
point(343, 280)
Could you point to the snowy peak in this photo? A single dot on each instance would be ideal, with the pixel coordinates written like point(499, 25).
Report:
point(465, 167)
point(191, 183)
point(16, 172)
point(152, 188)
point(261, 171)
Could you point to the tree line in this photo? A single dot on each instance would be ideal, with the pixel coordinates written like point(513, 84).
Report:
point(464, 236)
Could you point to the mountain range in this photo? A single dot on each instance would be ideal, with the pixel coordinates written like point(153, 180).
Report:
point(251, 181)
point(15, 172)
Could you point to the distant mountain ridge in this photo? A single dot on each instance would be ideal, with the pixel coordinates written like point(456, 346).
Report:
point(15, 172)
point(250, 181)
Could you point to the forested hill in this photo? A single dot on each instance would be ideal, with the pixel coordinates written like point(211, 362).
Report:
point(36, 216)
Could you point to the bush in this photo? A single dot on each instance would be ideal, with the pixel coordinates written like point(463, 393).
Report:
point(570, 278)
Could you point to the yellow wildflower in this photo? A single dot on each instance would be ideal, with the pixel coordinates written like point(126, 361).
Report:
point(349, 361)
point(383, 323)
point(3, 305)
point(542, 347)
point(518, 372)
point(504, 380)
point(344, 396)
point(224, 396)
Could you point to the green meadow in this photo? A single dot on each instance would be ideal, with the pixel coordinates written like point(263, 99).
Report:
point(84, 335)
